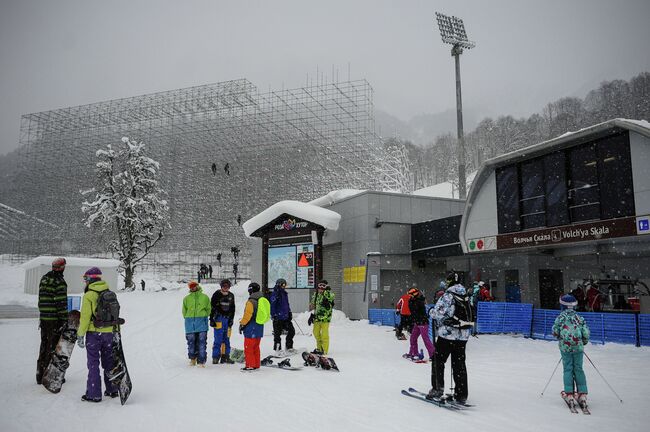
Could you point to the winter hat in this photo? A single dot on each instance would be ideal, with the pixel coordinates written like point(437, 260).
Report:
point(413, 292)
point(481, 283)
point(452, 278)
point(58, 264)
point(225, 282)
point(568, 301)
point(93, 273)
point(192, 284)
point(253, 287)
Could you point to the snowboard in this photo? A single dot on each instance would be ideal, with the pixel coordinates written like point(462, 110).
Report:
point(119, 374)
point(284, 364)
point(319, 361)
point(237, 355)
point(55, 372)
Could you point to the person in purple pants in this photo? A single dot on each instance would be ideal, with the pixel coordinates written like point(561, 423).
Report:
point(417, 305)
point(98, 341)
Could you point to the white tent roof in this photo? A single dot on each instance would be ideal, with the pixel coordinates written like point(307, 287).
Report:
point(72, 261)
point(308, 212)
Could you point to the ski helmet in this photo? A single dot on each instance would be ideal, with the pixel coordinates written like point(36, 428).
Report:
point(280, 282)
point(253, 287)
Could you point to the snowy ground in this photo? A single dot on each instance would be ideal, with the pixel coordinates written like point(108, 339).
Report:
point(506, 376)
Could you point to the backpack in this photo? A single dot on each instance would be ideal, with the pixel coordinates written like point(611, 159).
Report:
point(263, 311)
point(108, 309)
point(463, 310)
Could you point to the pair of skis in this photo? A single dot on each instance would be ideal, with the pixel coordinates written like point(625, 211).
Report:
point(446, 401)
point(574, 405)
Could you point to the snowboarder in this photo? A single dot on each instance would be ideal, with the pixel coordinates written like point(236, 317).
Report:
point(196, 310)
point(98, 341)
point(226, 168)
point(573, 334)
point(222, 317)
point(453, 314)
point(281, 315)
point(417, 305)
point(53, 309)
point(322, 304)
point(214, 169)
point(252, 331)
point(402, 309)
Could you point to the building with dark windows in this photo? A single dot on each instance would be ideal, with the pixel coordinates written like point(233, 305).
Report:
point(544, 219)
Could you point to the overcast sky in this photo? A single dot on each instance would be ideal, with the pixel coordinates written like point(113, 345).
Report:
point(55, 54)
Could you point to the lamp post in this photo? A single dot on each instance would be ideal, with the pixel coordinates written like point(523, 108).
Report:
point(452, 31)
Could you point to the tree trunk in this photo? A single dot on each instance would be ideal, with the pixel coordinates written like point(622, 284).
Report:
point(128, 276)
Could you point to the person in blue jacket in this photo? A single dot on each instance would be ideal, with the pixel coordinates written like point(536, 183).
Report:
point(281, 316)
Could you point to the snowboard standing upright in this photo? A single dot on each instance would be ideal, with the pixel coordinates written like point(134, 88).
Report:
point(119, 375)
point(55, 371)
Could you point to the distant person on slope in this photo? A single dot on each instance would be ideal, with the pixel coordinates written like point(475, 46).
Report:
point(222, 317)
point(405, 323)
point(53, 309)
point(253, 332)
point(282, 316)
point(98, 341)
point(573, 334)
point(322, 304)
point(196, 310)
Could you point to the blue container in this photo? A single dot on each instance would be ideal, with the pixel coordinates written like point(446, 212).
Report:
point(74, 303)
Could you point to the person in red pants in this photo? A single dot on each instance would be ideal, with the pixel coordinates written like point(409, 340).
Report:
point(252, 331)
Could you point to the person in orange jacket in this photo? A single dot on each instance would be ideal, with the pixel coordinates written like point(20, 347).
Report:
point(404, 312)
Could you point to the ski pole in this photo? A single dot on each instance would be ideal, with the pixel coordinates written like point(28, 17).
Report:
point(303, 333)
point(601, 375)
point(549, 380)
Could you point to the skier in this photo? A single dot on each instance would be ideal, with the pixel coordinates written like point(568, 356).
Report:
point(214, 169)
point(239, 220)
point(142, 284)
point(226, 168)
point(219, 258)
point(252, 331)
point(484, 292)
point(573, 334)
point(98, 341)
point(454, 319)
point(196, 310)
point(53, 309)
point(210, 271)
point(281, 315)
point(402, 308)
point(417, 305)
point(322, 304)
point(222, 317)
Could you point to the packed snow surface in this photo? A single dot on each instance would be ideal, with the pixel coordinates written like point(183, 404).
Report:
point(506, 377)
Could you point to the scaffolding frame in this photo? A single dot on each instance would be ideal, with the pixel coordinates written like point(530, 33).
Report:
point(298, 143)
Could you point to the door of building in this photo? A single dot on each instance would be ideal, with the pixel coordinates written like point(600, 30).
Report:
point(551, 287)
point(513, 290)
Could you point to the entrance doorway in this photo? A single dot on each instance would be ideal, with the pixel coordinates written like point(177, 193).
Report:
point(551, 287)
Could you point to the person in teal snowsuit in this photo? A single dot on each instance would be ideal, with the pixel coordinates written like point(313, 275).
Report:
point(573, 334)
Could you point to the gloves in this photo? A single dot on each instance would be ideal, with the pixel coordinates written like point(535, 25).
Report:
point(310, 321)
point(326, 303)
point(212, 323)
point(81, 341)
point(241, 329)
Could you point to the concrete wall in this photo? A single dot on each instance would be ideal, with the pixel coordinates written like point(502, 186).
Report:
point(482, 215)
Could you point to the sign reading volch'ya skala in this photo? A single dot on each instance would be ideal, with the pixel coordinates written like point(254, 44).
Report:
point(610, 228)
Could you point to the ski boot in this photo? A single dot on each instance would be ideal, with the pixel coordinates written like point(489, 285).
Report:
point(111, 394)
point(193, 362)
point(225, 359)
point(435, 394)
point(215, 360)
point(582, 400)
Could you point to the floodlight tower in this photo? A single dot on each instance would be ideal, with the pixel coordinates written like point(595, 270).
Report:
point(452, 31)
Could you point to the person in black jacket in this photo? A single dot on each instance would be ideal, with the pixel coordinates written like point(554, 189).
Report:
point(420, 319)
point(221, 319)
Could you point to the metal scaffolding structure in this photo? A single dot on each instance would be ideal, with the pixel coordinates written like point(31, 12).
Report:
point(226, 151)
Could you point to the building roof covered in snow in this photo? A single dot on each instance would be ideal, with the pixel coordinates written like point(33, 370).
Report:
point(335, 196)
point(445, 189)
point(309, 212)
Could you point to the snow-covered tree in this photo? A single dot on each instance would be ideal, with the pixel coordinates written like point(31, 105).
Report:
point(128, 205)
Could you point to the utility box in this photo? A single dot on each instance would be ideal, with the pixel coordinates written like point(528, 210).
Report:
point(75, 268)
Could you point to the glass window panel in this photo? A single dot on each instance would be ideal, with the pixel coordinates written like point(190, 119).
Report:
point(533, 205)
point(533, 221)
point(584, 194)
point(615, 171)
point(557, 209)
point(508, 199)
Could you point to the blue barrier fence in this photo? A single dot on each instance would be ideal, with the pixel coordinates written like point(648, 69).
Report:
point(522, 318)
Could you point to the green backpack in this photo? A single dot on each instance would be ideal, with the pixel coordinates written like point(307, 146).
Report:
point(263, 311)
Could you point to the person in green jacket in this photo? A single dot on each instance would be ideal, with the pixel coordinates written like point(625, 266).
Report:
point(53, 308)
point(98, 341)
point(573, 334)
point(322, 304)
point(196, 311)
